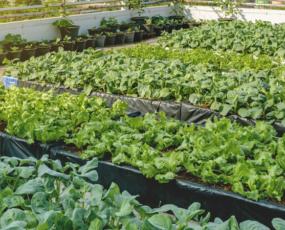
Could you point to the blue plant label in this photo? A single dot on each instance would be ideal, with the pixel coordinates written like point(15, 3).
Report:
point(9, 81)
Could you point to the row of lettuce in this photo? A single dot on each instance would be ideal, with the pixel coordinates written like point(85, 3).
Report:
point(229, 83)
point(246, 160)
point(44, 194)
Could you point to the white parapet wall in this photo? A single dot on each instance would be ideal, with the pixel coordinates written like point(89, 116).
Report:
point(248, 14)
point(42, 29)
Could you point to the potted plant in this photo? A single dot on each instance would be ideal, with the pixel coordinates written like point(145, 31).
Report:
point(12, 40)
point(28, 52)
point(68, 44)
point(100, 40)
point(66, 28)
point(158, 25)
point(79, 45)
point(110, 39)
point(89, 41)
point(124, 26)
point(177, 7)
point(55, 45)
point(109, 25)
point(137, 5)
point(14, 53)
point(130, 35)
point(42, 49)
point(138, 34)
point(120, 38)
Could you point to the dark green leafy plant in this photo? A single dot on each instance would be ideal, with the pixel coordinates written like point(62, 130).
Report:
point(12, 40)
point(247, 160)
point(238, 36)
point(255, 93)
point(44, 194)
point(63, 22)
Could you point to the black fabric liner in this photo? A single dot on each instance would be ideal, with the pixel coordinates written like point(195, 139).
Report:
point(179, 110)
point(180, 192)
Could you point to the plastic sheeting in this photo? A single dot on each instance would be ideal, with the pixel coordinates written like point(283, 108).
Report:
point(181, 111)
point(180, 192)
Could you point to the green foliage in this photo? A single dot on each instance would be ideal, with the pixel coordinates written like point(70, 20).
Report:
point(45, 117)
point(111, 22)
point(66, 200)
point(12, 40)
point(248, 160)
point(249, 90)
point(238, 36)
point(63, 22)
point(219, 60)
point(244, 158)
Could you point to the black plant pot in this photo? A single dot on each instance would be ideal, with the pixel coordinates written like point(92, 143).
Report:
point(27, 54)
point(110, 40)
point(79, 46)
point(124, 27)
point(120, 38)
point(92, 32)
point(168, 28)
point(158, 30)
point(140, 20)
point(68, 46)
point(100, 41)
point(90, 43)
point(138, 36)
point(71, 31)
point(55, 47)
point(176, 17)
point(148, 28)
point(11, 55)
point(185, 25)
point(41, 50)
point(130, 36)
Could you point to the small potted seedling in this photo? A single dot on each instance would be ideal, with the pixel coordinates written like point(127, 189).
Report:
point(80, 44)
point(100, 40)
point(68, 44)
point(110, 39)
point(109, 25)
point(89, 41)
point(138, 7)
point(28, 52)
point(42, 49)
point(55, 45)
point(14, 53)
point(120, 38)
point(138, 34)
point(67, 28)
point(12, 40)
point(130, 35)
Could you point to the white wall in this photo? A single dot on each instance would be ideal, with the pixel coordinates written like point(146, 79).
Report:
point(42, 29)
point(248, 14)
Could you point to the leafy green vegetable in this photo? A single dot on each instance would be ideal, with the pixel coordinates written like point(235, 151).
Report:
point(248, 160)
point(258, 37)
point(249, 91)
point(66, 206)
